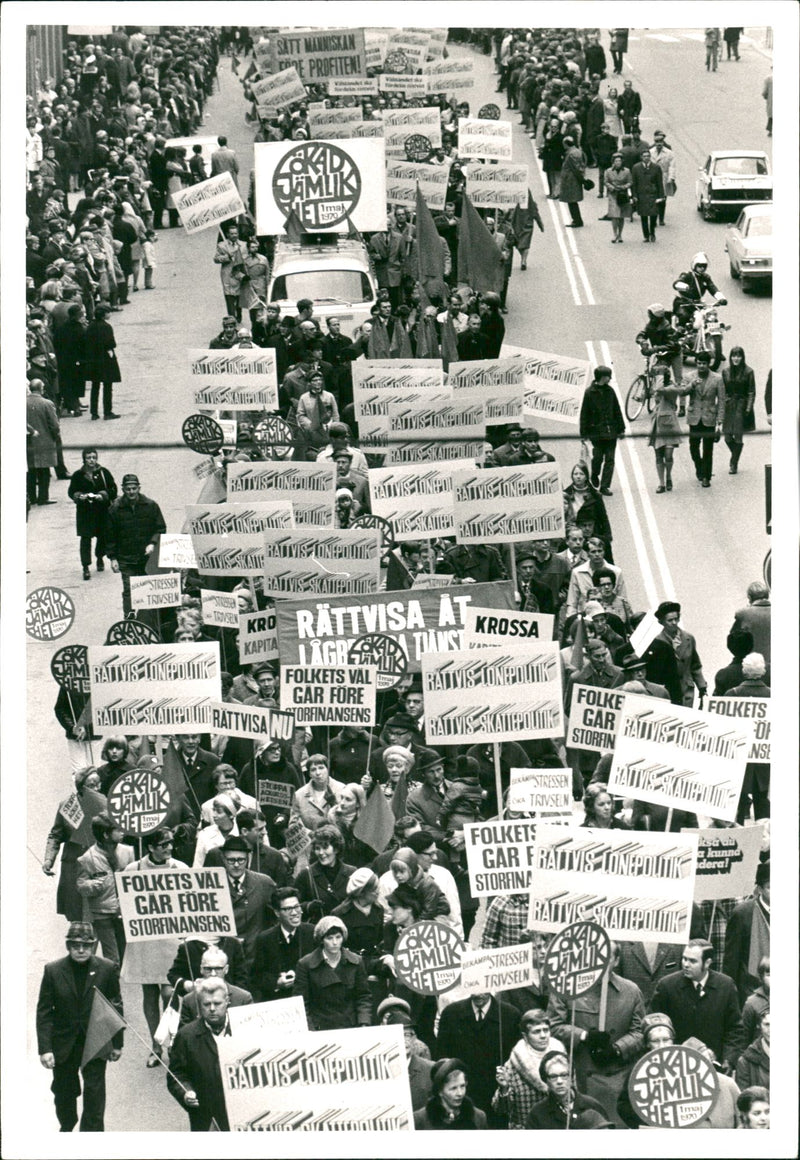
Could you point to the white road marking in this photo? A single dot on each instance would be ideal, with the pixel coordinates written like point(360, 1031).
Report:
point(559, 236)
point(587, 289)
point(633, 518)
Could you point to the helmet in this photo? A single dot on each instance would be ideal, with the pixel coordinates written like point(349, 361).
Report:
point(657, 310)
point(699, 260)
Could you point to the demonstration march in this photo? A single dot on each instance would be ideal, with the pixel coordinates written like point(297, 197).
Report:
point(401, 721)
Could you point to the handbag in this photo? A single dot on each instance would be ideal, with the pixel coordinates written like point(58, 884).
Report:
point(168, 1025)
point(622, 196)
point(670, 188)
point(588, 183)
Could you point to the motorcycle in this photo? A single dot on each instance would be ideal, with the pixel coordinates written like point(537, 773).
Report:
point(700, 325)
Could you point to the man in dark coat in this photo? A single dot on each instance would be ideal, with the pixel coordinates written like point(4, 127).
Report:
point(160, 179)
point(70, 348)
point(630, 107)
point(647, 190)
point(573, 169)
point(481, 1031)
point(601, 421)
point(756, 618)
point(63, 1015)
point(100, 365)
point(276, 952)
point(251, 895)
point(673, 660)
point(473, 343)
point(92, 489)
point(747, 936)
point(194, 1078)
point(702, 1003)
point(214, 964)
point(198, 770)
point(134, 524)
point(756, 774)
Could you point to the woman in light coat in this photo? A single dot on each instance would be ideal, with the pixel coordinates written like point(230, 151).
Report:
point(611, 115)
point(665, 432)
point(253, 293)
point(618, 188)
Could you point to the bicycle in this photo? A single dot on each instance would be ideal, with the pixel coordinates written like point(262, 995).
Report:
point(641, 391)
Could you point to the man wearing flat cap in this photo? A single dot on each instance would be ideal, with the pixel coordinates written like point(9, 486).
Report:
point(672, 659)
point(634, 670)
point(134, 525)
point(63, 1015)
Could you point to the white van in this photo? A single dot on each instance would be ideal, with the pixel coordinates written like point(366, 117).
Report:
point(334, 272)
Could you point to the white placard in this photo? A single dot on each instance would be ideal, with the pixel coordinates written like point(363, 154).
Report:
point(244, 379)
point(353, 86)
point(175, 550)
point(759, 711)
point(153, 688)
point(402, 178)
point(454, 75)
point(497, 186)
point(258, 636)
point(332, 563)
point(280, 89)
point(159, 591)
point(488, 626)
point(485, 972)
point(311, 488)
point(278, 1015)
point(173, 904)
point(219, 608)
point(327, 695)
point(416, 499)
point(490, 140)
point(500, 381)
point(499, 505)
point(398, 124)
point(533, 791)
point(321, 54)
point(208, 203)
point(554, 384)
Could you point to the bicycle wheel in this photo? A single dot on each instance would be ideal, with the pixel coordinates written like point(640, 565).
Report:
point(638, 391)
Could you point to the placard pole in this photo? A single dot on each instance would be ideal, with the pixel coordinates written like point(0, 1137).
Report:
point(512, 563)
point(668, 826)
point(498, 780)
point(601, 1025)
point(571, 1055)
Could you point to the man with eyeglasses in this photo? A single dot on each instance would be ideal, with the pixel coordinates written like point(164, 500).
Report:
point(563, 1101)
point(251, 895)
point(276, 951)
point(63, 1013)
point(214, 965)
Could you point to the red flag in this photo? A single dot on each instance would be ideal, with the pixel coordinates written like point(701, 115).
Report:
point(375, 823)
point(427, 338)
point(579, 643)
point(401, 343)
point(480, 264)
point(378, 341)
point(449, 343)
point(104, 1023)
point(175, 778)
point(399, 796)
point(430, 253)
point(293, 228)
point(352, 232)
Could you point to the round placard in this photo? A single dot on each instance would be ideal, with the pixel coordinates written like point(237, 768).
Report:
point(203, 434)
point(132, 631)
point(576, 959)
point(319, 182)
point(274, 437)
point(489, 113)
point(427, 957)
point(70, 668)
point(673, 1087)
point(383, 526)
point(377, 648)
point(418, 147)
point(49, 613)
point(396, 61)
point(139, 801)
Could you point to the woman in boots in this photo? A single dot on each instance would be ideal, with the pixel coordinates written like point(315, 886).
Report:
point(740, 393)
point(665, 433)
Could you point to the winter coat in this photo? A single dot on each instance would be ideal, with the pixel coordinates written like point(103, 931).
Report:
point(601, 414)
point(90, 515)
point(100, 363)
point(647, 188)
point(42, 420)
point(432, 1117)
point(573, 169)
point(333, 998)
point(740, 394)
point(96, 882)
point(230, 257)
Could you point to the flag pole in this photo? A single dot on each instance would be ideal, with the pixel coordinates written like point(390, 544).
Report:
point(143, 1040)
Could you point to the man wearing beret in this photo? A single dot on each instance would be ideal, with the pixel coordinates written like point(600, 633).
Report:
point(672, 659)
point(134, 524)
point(63, 1015)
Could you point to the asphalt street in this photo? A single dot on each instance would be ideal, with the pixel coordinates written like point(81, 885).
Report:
point(578, 297)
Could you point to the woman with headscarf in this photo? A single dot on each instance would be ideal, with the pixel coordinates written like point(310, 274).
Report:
point(738, 415)
point(344, 815)
point(71, 833)
point(322, 885)
point(224, 813)
point(519, 1084)
point(363, 916)
point(313, 802)
point(449, 1107)
point(332, 981)
point(407, 871)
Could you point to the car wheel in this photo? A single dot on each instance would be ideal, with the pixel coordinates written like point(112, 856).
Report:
point(707, 212)
point(735, 274)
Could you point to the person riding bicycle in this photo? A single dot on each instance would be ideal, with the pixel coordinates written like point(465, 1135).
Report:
point(660, 335)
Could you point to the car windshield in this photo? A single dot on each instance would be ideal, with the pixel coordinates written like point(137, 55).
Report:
point(759, 227)
point(740, 167)
point(348, 286)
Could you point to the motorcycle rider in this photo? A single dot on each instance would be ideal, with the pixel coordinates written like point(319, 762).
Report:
point(659, 334)
point(698, 283)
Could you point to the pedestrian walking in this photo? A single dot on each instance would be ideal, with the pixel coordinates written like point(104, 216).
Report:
point(573, 170)
point(766, 93)
point(552, 155)
point(712, 48)
point(100, 365)
point(630, 107)
point(618, 183)
point(665, 432)
point(612, 114)
point(738, 415)
point(664, 158)
point(647, 191)
point(93, 490)
point(619, 46)
point(731, 38)
point(704, 415)
point(44, 434)
point(134, 524)
point(601, 422)
point(223, 160)
point(231, 257)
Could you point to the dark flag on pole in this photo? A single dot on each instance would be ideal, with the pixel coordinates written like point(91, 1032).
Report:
point(293, 228)
point(522, 222)
point(430, 254)
point(105, 1021)
point(375, 823)
point(480, 264)
point(449, 343)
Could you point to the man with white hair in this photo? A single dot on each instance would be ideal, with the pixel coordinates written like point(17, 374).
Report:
point(756, 618)
point(194, 1077)
point(214, 965)
point(755, 786)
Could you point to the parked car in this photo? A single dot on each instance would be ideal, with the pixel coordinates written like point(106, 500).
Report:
point(334, 272)
point(748, 244)
point(732, 179)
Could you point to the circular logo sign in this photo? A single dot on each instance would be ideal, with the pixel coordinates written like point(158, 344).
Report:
point(673, 1087)
point(576, 958)
point(427, 957)
point(417, 147)
point(70, 668)
point(139, 801)
point(49, 613)
point(203, 434)
point(383, 526)
point(376, 648)
point(489, 113)
point(320, 182)
point(132, 632)
point(396, 61)
point(274, 437)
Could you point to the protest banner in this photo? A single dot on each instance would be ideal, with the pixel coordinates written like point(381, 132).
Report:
point(208, 145)
point(645, 632)
point(322, 632)
point(230, 554)
point(160, 591)
point(222, 519)
point(594, 718)
point(416, 499)
point(298, 839)
point(638, 887)
point(534, 790)
point(208, 203)
point(554, 384)
point(234, 380)
point(500, 855)
point(351, 130)
point(153, 688)
point(490, 140)
point(276, 794)
point(329, 187)
point(71, 811)
point(324, 695)
point(681, 758)
point(436, 43)
point(433, 451)
point(497, 186)
point(576, 958)
point(726, 862)
point(175, 550)
point(411, 86)
point(279, 89)
point(49, 613)
point(220, 608)
point(131, 631)
point(310, 487)
point(427, 957)
point(429, 580)
point(90, 29)
point(353, 1080)
point(353, 86)
point(444, 416)
point(493, 694)
point(398, 124)
point(402, 178)
point(382, 651)
point(673, 1087)
point(320, 54)
point(202, 434)
point(413, 42)
point(376, 380)
point(274, 436)
point(454, 75)
point(347, 560)
point(250, 721)
point(498, 505)
point(489, 112)
point(139, 801)
point(756, 709)
point(70, 668)
point(376, 40)
point(500, 381)
point(258, 636)
point(502, 969)
point(277, 1015)
point(185, 903)
point(487, 626)
point(265, 56)
point(323, 118)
